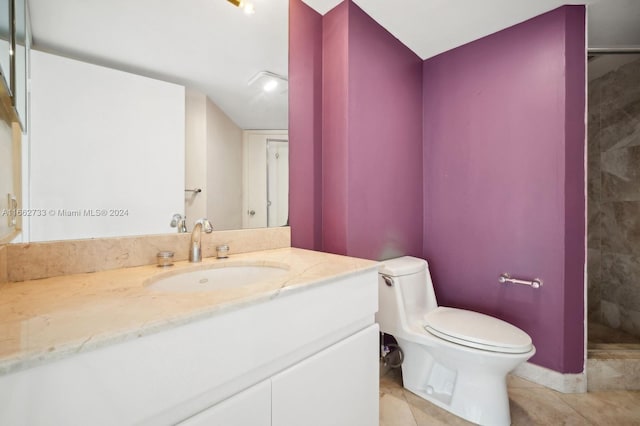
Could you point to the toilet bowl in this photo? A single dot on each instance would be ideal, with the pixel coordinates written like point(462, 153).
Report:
point(454, 358)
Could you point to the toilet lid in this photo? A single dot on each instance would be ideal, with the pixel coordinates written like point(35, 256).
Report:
point(476, 330)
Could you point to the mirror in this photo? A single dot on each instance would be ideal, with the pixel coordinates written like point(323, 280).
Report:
point(21, 48)
point(9, 168)
point(5, 41)
point(211, 50)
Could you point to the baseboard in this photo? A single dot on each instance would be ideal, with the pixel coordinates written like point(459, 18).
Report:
point(565, 383)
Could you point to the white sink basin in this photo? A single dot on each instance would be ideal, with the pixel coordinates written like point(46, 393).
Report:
point(215, 278)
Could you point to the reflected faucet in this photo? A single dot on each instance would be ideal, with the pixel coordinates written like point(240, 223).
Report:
point(180, 222)
point(195, 250)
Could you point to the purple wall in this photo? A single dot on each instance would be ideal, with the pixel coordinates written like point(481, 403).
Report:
point(305, 130)
point(371, 139)
point(385, 143)
point(473, 159)
point(575, 198)
point(504, 179)
point(335, 155)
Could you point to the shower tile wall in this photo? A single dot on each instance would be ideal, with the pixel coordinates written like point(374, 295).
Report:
point(614, 199)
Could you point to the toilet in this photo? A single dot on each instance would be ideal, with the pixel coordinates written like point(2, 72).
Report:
point(454, 358)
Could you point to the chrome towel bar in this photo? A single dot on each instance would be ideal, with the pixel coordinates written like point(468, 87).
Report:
point(506, 278)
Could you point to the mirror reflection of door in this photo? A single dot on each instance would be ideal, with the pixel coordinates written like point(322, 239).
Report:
point(277, 182)
point(266, 179)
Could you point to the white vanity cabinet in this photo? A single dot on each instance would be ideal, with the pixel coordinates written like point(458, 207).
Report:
point(305, 355)
point(337, 386)
point(251, 407)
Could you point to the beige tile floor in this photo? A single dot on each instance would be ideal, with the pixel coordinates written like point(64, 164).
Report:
point(531, 404)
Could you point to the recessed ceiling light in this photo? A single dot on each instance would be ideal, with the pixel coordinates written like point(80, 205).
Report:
point(248, 8)
point(270, 85)
point(268, 81)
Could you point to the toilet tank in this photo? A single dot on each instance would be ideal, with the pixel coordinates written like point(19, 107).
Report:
point(409, 298)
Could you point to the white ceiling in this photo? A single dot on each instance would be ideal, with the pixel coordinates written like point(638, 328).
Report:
point(614, 24)
point(213, 47)
point(208, 45)
point(435, 26)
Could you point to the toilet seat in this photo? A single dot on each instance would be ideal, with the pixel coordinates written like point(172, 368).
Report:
point(476, 330)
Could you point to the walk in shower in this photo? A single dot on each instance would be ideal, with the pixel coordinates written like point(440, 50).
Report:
point(613, 172)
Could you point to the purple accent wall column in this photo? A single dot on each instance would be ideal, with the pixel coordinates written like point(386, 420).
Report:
point(385, 143)
point(372, 139)
point(335, 142)
point(575, 198)
point(504, 179)
point(305, 125)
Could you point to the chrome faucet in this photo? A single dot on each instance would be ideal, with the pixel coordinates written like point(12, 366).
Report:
point(195, 250)
point(180, 222)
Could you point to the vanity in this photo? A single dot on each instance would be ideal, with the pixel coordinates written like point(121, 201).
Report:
point(298, 346)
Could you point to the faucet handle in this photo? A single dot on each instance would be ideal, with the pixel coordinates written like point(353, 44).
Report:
point(175, 220)
point(180, 222)
point(222, 251)
point(206, 225)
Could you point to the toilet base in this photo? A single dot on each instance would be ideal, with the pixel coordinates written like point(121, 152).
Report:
point(483, 411)
point(463, 381)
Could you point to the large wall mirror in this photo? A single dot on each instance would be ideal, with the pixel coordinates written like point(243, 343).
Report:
point(145, 112)
point(14, 41)
point(5, 41)
point(21, 46)
point(10, 223)
point(14, 44)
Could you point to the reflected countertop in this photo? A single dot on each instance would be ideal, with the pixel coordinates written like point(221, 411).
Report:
point(48, 319)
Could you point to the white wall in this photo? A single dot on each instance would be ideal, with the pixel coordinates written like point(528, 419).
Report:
point(196, 155)
point(224, 170)
point(103, 139)
point(214, 164)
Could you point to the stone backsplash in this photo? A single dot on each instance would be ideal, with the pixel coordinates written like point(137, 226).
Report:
point(51, 259)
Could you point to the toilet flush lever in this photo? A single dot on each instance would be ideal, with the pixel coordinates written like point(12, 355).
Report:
point(387, 280)
point(506, 278)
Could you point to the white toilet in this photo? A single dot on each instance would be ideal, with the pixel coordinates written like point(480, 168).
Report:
point(454, 358)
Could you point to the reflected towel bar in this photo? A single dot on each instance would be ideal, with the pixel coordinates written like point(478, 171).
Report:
point(506, 278)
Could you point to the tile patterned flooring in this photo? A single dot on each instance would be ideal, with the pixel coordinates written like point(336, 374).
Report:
point(531, 404)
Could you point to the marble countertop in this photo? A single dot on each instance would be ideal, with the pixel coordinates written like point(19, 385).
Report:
point(48, 319)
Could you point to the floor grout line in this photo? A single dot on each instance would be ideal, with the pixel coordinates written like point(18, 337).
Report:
point(558, 396)
point(532, 405)
point(411, 407)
